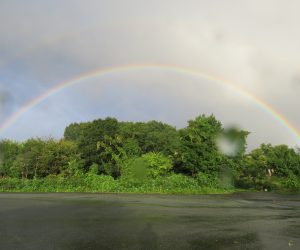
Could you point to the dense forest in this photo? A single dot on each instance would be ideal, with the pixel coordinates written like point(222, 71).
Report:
point(106, 155)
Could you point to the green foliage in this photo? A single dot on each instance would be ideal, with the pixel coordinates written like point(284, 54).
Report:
point(99, 183)
point(292, 182)
point(199, 151)
point(112, 154)
point(157, 164)
point(73, 132)
point(87, 135)
point(75, 168)
point(205, 180)
point(89, 182)
point(106, 155)
point(150, 165)
point(94, 169)
point(39, 158)
point(281, 162)
point(135, 169)
point(152, 136)
point(131, 147)
point(9, 151)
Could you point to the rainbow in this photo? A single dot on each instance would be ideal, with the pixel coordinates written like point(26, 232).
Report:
point(132, 67)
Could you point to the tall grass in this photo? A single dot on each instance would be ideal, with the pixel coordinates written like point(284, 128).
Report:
point(90, 182)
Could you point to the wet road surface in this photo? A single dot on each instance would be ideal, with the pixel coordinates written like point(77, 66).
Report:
point(125, 221)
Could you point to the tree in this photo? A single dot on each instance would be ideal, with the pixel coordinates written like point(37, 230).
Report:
point(39, 158)
point(157, 164)
point(149, 165)
point(281, 159)
point(266, 164)
point(252, 171)
point(199, 151)
point(88, 134)
point(111, 154)
point(57, 155)
point(28, 161)
point(73, 132)
point(9, 151)
point(152, 136)
point(137, 137)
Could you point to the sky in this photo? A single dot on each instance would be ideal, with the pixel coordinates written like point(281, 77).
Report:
point(252, 44)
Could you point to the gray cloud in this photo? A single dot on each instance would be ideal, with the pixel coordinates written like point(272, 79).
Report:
point(252, 44)
point(296, 81)
point(5, 100)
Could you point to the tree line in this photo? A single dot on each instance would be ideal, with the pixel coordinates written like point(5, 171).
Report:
point(143, 150)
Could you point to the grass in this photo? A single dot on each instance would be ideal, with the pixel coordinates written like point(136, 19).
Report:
point(173, 184)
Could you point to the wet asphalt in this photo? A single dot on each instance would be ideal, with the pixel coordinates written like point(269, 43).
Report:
point(130, 221)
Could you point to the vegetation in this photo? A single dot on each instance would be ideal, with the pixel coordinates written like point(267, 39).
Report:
point(106, 155)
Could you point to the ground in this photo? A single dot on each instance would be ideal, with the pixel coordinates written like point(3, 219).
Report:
point(130, 221)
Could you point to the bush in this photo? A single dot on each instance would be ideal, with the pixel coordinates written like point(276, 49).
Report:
point(157, 164)
point(90, 182)
point(94, 169)
point(135, 168)
point(75, 168)
point(205, 180)
point(292, 182)
point(99, 183)
point(150, 165)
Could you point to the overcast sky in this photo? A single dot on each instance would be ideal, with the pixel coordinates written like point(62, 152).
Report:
point(254, 44)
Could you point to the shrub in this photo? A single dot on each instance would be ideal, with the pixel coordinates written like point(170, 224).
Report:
point(205, 180)
point(292, 182)
point(157, 164)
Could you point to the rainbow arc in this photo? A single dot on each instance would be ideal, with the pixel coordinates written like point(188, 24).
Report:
point(131, 68)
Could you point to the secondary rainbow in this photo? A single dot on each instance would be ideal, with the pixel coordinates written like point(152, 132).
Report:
point(132, 67)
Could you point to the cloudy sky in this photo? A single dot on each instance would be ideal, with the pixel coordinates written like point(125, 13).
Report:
point(252, 44)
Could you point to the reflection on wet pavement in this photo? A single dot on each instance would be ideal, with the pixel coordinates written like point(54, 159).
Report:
point(119, 221)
